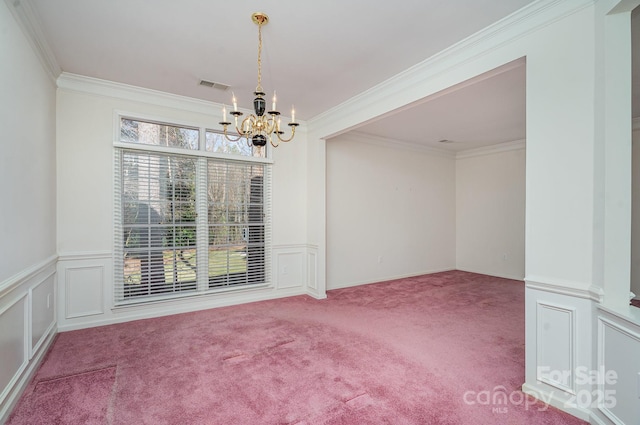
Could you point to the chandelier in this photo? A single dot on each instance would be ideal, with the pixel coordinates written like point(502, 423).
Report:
point(258, 127)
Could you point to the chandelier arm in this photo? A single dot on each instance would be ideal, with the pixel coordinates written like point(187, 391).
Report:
point(271, 125)
point(275, 145)
point(229, 138)
point(293, 133)
point(240, 130)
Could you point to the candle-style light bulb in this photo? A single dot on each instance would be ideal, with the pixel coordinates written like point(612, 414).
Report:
point(273, 106)
point(235, 102)
point(293, 114)
point(278, 124)
point(224, 113)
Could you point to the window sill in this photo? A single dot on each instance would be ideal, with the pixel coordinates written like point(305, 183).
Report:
point(147, 302)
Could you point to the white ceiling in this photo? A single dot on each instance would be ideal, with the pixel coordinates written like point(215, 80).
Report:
point(316, 55)
point(487, 110)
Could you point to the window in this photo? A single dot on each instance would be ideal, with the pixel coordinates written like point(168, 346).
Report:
point(236, 222)
point(187, 220)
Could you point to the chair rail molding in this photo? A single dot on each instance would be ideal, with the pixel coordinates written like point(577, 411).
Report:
point(565, 287)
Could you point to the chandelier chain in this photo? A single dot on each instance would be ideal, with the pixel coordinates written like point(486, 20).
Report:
point(259, 87)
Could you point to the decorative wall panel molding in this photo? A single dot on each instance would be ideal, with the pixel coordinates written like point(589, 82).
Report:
point(14, 334)
point(27, 328)
point(290, 268)
point(85, 285)
point(555, 355)
point(84, 288)
point(43, 312)
point(312, 264)
point(618, 361)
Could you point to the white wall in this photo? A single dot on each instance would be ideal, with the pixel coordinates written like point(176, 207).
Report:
point(87, 116)
point(395, 212)
point(27, 156)
point(561, 97)
point(390, 212)
point(490, 203)
point(635, 223)
point(577, 172)
point(27, 215)
point(569, 94)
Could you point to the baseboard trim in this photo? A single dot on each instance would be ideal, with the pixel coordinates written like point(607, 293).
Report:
point(13, 396)
point(386, 279)
point(178, 306)
point(500, 275)
point(314, 294)
point(553, 400)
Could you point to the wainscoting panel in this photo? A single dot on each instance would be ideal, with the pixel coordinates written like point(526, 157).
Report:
point(43, 315)
point(83, 291)
point(555, 348)
point(619, 368)
point(13, 343)
point(86, 289)
point(27, 328)
point(85, 283)
point(312, 265)
point(289, 266)
point(559, 345)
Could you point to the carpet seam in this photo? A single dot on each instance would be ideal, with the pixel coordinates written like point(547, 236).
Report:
point(84, 372)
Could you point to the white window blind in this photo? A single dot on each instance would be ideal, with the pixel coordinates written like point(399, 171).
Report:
point(186, 224)
point(236, 220)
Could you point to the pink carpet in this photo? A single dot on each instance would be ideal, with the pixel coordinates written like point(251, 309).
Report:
point(413, 351)
point(74, 399)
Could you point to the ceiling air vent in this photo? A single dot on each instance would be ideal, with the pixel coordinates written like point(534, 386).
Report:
point(445, 141)
point(214, 85)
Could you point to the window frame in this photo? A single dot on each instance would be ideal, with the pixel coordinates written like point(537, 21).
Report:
point(201, 157)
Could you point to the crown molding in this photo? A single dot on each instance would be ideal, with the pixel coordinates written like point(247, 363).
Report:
point(493, 149)
point(29, 21)
point(384, 142)
point(371, 139)
point(99, 87)
point(412, 84)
